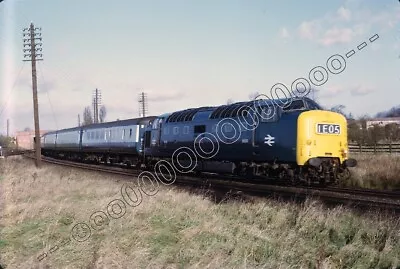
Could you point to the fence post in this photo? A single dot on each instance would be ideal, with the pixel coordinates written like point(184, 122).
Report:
point(374, 148)
point(390, 147)
point(359, 145)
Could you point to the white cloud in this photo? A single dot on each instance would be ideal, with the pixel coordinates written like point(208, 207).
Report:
point(361, 90)
point(331, 91)
point(347, 24)
point(354, 90)
point(344, 14)
point(336, 35)
point(307, 30)
point(284, 33)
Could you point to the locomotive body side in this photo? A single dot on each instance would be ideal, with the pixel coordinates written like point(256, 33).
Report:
point(284, 145)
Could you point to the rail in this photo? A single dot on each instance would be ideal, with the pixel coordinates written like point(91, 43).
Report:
point(356, 197)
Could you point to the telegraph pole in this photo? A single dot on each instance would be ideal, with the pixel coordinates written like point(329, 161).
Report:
point(79, 120)
point(142, 104)
point(8, 128)
point(33, 56)
point(96, 102)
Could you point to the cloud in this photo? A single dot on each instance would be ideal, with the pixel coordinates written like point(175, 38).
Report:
point(345, 25)
point(361, 90)
point(168, 96)
point(307, 30)
point(332, 91)
point(344, 14)
point(337, 36)
point(284, 33)
point(354, 90)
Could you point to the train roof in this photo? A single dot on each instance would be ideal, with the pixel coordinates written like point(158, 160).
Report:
point(143, 120)
point(119, 123)
point(223, 110)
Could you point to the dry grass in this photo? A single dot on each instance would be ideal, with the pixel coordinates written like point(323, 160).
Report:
point(380, 171)
point(176, 229)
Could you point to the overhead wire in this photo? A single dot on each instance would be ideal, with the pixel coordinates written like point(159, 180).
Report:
point(48, 97)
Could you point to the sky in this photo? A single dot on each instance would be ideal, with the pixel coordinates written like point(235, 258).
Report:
point(187, 54)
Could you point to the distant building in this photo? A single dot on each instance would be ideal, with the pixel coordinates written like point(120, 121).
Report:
point(24, 139)
point(382, 121)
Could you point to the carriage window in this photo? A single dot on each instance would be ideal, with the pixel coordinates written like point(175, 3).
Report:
point(176, 130)
point(155, 124)
point(186, 129)
point(199, 128)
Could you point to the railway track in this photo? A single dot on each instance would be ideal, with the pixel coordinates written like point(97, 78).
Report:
point(364, 198)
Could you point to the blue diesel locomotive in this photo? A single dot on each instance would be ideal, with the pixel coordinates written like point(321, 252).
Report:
point(299, 141)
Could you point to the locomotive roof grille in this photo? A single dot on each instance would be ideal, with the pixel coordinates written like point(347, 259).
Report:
point(186, 115)
point(233, 110)
point(238, 109)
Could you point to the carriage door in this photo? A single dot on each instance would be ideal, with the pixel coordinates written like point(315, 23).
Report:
point(159, 131)
point(147, 139)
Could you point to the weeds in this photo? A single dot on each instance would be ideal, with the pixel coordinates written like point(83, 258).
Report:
point(176, 229)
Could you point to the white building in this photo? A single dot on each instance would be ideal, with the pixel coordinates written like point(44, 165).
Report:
point(382, 121)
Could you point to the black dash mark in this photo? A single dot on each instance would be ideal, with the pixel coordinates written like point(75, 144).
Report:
point(53, 249)
point(373, 38)
point(65, 241)
point(41, 257)
point(361, 46)
point(350, 53)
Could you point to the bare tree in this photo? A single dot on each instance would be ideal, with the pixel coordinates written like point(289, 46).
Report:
point(87, 116)
point(339, 109)
point(102, 114)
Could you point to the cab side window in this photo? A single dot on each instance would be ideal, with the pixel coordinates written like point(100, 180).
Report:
point(312, 105)
point(295, 105)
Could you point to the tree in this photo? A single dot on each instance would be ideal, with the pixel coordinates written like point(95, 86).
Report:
point(27, 129)
point(229, 101)
point(375, 134)
point(87, 116)
point(5, 141)
point(355, 132)
point(102, 114)
point(339, 109)
point(391, 132)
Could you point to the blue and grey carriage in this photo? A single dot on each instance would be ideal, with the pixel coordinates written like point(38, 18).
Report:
point(117, 141)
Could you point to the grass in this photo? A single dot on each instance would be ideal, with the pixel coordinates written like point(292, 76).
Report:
point(380, 171)
point(178, 229)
